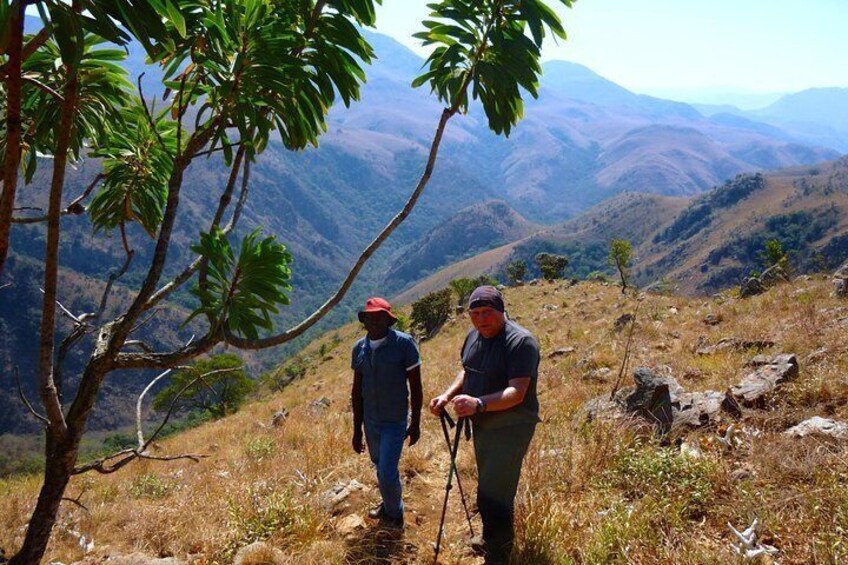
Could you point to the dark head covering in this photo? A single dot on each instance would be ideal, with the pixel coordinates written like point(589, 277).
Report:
point(486, 296)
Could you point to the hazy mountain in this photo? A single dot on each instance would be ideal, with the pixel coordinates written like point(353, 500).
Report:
point(697, 245)
point(584, 140)
point(471, 230)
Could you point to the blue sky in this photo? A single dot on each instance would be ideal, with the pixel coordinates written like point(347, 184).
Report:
point(698, 50)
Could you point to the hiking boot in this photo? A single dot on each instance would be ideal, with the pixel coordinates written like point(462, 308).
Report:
point(392, 523)
point(377, 513)
point(477, 545)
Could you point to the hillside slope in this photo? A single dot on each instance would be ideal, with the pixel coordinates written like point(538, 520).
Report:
point(591, 493)
point(701, 245)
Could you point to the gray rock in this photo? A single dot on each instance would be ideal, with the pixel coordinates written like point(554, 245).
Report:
point(751, 287)
point(819, 426)
point(280, 417)
point(752, 389)
point(735, 344)
point(773, 275)
point(336, 495)
point(713, 319)
point(561, 352)
point(662, 401)
point(623, 321)
point(840, 287)
point(320, 404)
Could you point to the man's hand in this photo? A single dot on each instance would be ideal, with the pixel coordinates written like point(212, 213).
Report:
point(437, 405)
point(413, 432)
point(357, 441)
point(465, 405)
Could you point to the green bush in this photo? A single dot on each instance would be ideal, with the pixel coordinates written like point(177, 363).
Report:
point(516, 271)
point(462, 288)
point(432, 310)
point(552, 265)
point(219, 394)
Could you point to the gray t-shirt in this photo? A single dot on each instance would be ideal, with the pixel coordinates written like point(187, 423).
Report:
point(489, 365)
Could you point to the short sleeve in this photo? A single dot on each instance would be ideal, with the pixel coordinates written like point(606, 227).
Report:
point(523, 359)
point(411, 357)
point(353, 356)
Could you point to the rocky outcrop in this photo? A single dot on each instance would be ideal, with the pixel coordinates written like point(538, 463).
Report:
point(769, 375)
point(661, 401)
point(817, 426)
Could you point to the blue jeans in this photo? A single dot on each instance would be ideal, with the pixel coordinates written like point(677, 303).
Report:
point(385, 443)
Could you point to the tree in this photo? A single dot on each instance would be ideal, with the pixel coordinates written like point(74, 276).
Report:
point(219, 394)
point(462, 288)
point(244, 71)
point(432, 310)
point(773, 254)
point(620, 255)
point(516, 271)
point(551, 265)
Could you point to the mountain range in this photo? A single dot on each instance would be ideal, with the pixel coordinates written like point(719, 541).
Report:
point(583, 141)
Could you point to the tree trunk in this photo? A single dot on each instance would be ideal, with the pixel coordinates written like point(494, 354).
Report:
point(61, 456)
point(13, 127)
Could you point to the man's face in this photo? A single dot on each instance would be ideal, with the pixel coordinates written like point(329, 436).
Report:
point(376, 324)
point(488, 321)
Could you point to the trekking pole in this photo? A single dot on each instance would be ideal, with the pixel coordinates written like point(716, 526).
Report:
point(448, 421)
point(449, 485)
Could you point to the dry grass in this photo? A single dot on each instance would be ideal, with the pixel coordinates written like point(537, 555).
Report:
point(591, 493)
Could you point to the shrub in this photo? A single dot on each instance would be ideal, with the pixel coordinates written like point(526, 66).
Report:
point(462, 288)
point(432, 310)
point(551, 265)
point(620, 255)
point(219, 393)
point(516, 271)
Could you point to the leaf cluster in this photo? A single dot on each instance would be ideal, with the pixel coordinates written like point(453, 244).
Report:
point(432, 310)
point(240, 293)
point(491, 46)
point(551, 265)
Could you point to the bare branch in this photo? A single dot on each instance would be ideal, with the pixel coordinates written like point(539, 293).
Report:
point(138, 403)
point(113, 276)
point(26, 402)
point(6, 285)
point(67, 312)
point(140, 344)
point(145, 321)
point(219, 148)
point(627, 349)
point(294, 332)
point(77, 502)
point(75, 207)
point(169, 360)
point(189, 271)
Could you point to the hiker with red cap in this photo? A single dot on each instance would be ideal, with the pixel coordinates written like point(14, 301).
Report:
point(496, 389)
point(386, 380)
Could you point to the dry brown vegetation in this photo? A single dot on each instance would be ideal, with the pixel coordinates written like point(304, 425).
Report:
point(591, 492)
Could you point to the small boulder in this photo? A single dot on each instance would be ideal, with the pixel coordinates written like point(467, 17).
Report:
point(752, 389)
point(561, 352)
point(336, 495)
point(349, 525)
point(713, 319)
point(319, 405)
point(280, 417)
point(623, 321)
point(820, 427)
point(751, 287)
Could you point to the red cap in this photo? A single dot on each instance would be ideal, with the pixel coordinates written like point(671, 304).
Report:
point(377, 304)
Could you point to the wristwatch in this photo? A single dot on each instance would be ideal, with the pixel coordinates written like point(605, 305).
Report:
point(481, 406)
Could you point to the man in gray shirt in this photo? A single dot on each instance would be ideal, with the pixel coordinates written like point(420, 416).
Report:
point(497, 390)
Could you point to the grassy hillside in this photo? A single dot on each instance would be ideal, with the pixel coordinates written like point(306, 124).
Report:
point(700, 245)
point(591, 493)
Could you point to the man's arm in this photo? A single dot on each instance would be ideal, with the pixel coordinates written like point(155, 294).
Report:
point(512, 395)
point(356, 403)
point(438, 404)
point(416, 399)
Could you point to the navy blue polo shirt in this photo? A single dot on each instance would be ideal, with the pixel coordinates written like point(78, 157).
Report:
point(385, 392)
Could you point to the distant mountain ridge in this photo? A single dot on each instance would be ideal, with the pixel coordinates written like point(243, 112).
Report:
point(698, 245)
point(571, 151)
